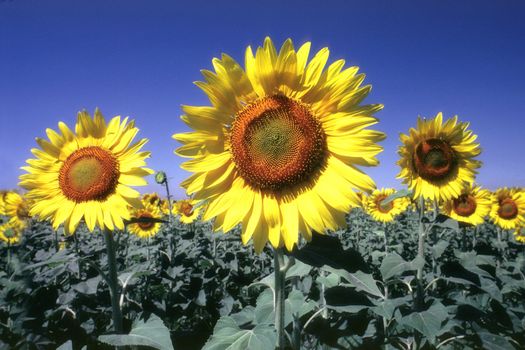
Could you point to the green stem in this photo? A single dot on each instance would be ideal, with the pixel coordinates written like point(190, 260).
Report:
point(279, 297)
point(420, 297)
point(500, 253)
point(8, 256)
point(113, 281)
point(385, 321)
point(79, 260)
point(56, 240)
point(169, 200)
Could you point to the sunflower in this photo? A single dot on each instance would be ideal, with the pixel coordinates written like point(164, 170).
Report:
point(11, 232)
point(471, 206)
point(16, 207)
point(87, 174)
point(508, 208)
point(165, 207)
point(187, 210)
point(2, 202)
point(385, 212)
point(437, 159)
point(519, 234)
point(279, 148)
point(152, 198)
point(145, 229)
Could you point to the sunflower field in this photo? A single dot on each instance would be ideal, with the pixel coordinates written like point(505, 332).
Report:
point(283, 241)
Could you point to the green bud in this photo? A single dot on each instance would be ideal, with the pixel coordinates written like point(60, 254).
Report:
point(160, 177)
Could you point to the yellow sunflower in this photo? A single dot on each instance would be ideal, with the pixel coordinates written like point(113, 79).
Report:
point(145, 229)
point(11, 232)
point(471, 206)
point(152, 198)
point(16, 207)
point(385, 212)
point(519, 234)
point(508, 208)
point(437, 159)
point(279, 148)
point(187, 210)
point(2, 202)
point(87, 174)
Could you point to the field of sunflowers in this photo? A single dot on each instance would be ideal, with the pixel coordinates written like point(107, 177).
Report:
point(283, 241)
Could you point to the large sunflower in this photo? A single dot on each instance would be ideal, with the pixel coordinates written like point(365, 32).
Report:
point(11, 232)
point(278, 149)
point(16, 207)
point(87, 174)
point(437, 159)
point(471, 206)
point(508, 208)
point(385, 212)
point(187, 210)
point(145, 229)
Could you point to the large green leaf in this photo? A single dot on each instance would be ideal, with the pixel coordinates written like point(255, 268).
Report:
point(494, 341)
point(227, 335)
point(152, 333)
point(393, 265)
point(427, 322)
point(359, 279)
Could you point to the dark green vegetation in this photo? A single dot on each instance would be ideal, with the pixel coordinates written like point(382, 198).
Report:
point(186, 289)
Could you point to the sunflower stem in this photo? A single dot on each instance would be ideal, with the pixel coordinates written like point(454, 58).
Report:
point(8, 268)
point(385, 321)
point(500, 254)
point(79, 260)
point(168, 196)
point(57, 247)
point(279, 279)
point(113, 281)
point(421, 254)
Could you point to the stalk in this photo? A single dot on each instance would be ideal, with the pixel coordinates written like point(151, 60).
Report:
point(113, 281)
point(56, 241)
point(500, 251)
point(8, 256)
point(77, 250)
point(278, 262)
point(385, 321)
point(169, 200)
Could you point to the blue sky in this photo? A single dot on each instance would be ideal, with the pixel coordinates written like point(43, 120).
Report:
point(140, 58)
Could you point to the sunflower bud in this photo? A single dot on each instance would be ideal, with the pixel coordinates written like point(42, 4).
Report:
point(160, 177)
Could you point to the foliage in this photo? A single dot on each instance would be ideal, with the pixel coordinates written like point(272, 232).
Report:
point(190, 289)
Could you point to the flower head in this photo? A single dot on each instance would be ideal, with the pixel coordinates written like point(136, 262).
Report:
point(508, 208)
point(87, 173)
point(437, 159)
point(279, 149)
point(471, 206)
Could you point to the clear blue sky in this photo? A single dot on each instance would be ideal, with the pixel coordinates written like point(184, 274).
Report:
point(139, 58)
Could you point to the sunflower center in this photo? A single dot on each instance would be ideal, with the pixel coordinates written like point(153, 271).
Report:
point(186, 209)
point(384, 208)
point(9, 233)
point(277, 143)
point(508, 209)
point(434, 160)
point(90, 173)
point(464, 205)
point(145, 225)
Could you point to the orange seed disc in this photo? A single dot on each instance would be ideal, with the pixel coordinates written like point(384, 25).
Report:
point(277, 143)
point(508, 209)
point(89, 173)
point(464, 205)
point(434, 160)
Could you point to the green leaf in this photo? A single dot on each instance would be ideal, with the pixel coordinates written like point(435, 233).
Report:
point(152, 333)
point(393, 264)
point(427, 322)
point(359, 279)
point(494, 341)
point(66, 346)
point(227, 335)
point(398, 194)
